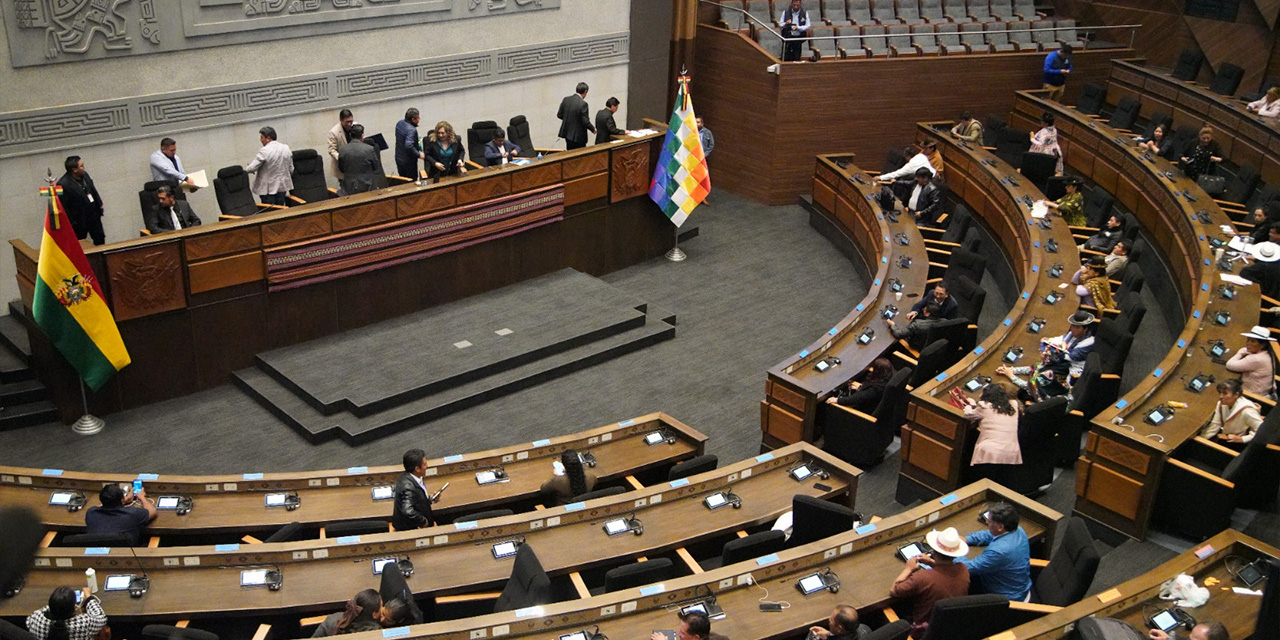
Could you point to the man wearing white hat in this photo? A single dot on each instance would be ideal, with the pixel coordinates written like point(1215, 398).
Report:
point(1265, 270)
point(929, 578)
point(1253, 362)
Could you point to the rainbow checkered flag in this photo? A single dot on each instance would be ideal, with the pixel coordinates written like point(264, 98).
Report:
point(680, 181)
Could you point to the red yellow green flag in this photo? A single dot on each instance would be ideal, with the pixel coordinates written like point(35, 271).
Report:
point(69, 306)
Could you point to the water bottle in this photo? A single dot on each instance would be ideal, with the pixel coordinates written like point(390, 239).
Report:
point(91, 580)
point(539, 156)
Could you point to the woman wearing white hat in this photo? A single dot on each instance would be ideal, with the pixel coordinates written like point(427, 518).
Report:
point(1265, 269)
point(947, 578)
point(1253, 362)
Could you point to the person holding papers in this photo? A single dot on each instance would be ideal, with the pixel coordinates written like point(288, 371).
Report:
point(499, 150)
point(166, 165)
point(606, 128)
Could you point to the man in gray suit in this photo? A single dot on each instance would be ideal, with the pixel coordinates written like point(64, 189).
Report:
point(575, 119)
point(274, 168)
point(359, 163)
point(169, 214)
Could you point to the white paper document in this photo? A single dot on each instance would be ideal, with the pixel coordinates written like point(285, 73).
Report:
point(199, 179)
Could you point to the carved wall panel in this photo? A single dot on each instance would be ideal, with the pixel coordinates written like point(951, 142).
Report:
point(146, 281)
point(631, 174)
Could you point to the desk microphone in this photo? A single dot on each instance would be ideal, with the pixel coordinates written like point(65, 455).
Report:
point(292, 501)
point(138, 585)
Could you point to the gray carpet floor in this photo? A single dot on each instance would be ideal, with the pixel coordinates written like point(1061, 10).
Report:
point(759, 284)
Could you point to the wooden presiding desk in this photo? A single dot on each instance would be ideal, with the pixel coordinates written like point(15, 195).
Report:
point(236, 504)
point(844, 198)
point(1132, 601)
point(937, 436)
point(1119, 471)
point(1246, 138)
point(196, 304)
point(321, 574)
point(863, 560)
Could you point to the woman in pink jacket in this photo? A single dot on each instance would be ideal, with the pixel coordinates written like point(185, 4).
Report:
point(997, 414)
point(1253, 362)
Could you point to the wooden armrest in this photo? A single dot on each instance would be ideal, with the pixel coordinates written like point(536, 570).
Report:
point(890, 614)
point(1033, 607)
point(689, 561)
point(941, 242)
point(473, 165)
point(265, 207)
point(1113, 282)
point(874, 519)
point(182, 624)
point(855, 412)
point(904, 345)
point(990, 148)
point(225, 217)
point(1111, 376)
point(1226, 204)
point(1260, 399)
point(1203, 474)
point(742, 534)
point(943, 217)
point(322, 535)
point(262, 632)
point(1205, 442)
point(333, 191)
point(468, 597)
point(154, 542)
point(306, 622)
point(635, 484)
point(422, 174)
point(579, 585)
point(932, 281)
point(48, 538)
point(1271, 301)
point(1089, 230)
point(142, 233)
point(296, 199)
point(1037, 563)
point(400, 179)
point(942, 254)
point(1273, 447)
point(872, 173)
point(250, 540)
point(1076, 412)
point(908, 359)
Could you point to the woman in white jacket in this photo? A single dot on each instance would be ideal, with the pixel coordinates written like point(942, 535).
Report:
point(1236, 418)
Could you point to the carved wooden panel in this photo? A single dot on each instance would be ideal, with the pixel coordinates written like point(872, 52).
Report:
point(226, 272)
point(583, 165)
point(146, 280)
point(788, 396)
point(295, 229)
point(846, 189)
point(943, 425)
point(930, 455)
point(823, 196)
point(477, 190)
point(1082, 475)
point(534, 176)
point(827, 174)
point(1114, 492)
point(364, 215)
point(586, 189)
point(220, 244)
point(848, 218)
point(1124, 456)
point(783, 425)
point(426, 201)
point(631, 172)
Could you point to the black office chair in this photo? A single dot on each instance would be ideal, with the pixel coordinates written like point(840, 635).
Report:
point(932, 361)
point(484, 515)
point(693, 466)
point(1038, 168)
point(235, 198)
point(478, 135)
point(638, 574)
point(287, 533)
point(1097, 207)
point(1240, 184)
point(1132, 282)
point(894, 159)
point(1055, 187)
point(861, 439)
point(813, 519)
point(962, 333)
point(1112, 342)
point(518, 133)
point(600, 493)
point(97, 540)
point(1188, 66)
point(1227, 80)
point(965, 263)
point(169, 632)
point(1067, 577)
point(1132, 311)
point(1125, 115)
point(11, 631)
point(529, 585)
point(394, 586)
point(968, 618)
point(1092, 97)
point(308, 178)
point(972, 240)
point(1158, 118)
point(753, 546)
point(1037, 428)
point(953, 235)
point(970, 297)
point(355, 528)
point(897, 630)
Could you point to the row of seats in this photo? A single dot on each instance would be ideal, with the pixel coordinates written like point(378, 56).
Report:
point(884, 12)
point(942, 39)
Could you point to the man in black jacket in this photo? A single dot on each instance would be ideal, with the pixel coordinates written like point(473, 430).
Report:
point(606, 128)
point(360, 164)
point(81, 200)
point(925, 201)
point(413, 504)
point(575, 118)
point(169, 213)
point(940, 294)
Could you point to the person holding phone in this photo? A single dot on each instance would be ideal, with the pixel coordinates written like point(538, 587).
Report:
point(1202, 631)
point(121, 512)
point(945, 578)
point(568, 480)
point(62, 619)
point(412, 501)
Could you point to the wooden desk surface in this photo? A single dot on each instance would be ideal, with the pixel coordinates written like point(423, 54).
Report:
point(934, 443)
point(845, 196)
point(237, 504)
point(865, 563)
point(1123, 458)
point(1127, 601)
point(320, 574)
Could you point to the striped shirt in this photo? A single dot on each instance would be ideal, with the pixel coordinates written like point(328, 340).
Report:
point(83, 626)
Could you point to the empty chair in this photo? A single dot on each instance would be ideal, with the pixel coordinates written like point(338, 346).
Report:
point(924, 40)
point(973, 41)
point(1227, 79)
point(949, 39)
point(483, 515)
point(11, 631)
point(600, 493)
point(967, 264)
point(859, 12)
point(1002, 10)
point(1021, 37)
point(1026, 10)
point(1067, 34)
point(752, 546)
point(393, 586)
point(875, 42)
point(997, 39)
point(834, 13)
point(861, 439)
point(968, 618)
point(970, 297)
point(1038, 168)
point(169, 632)
point(958, 227)
point(1112, 342)
point(98, 540)
point(1188, 65)
point(734, 20)
point(355, 528)
point(931, 11)
point(693, 466)
point(955, 11)
point(528, 586)
point(972, 241)
point(849, 44)
point(638, 574)
point(931, 361)
point(1132, 282)
point(478, 135)
point(769, 41)
point(898, 630)
point(287, 533)
point(884, 12)
point(814, 519)
point(980, 11)
point(1240, 184)
point(235, 198)
point(1066, 579)
point(1125, 115)
point(900, 40)
point(908, 11)
point(308, 178)
point(1097, 207)
point(519, 134)
point(760, 11)
point(1043, 35)
point(1132, 311)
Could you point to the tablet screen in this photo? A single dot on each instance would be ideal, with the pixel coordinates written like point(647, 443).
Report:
point(253, 577)
point(697, 607)
point(651, 439)
point(809, 584)
point(61, 498)
point(578, 635)
point(910, 551)
point(716, 500)
point(383, 493)
point(118, 583)
point(614, 527)
point(275, 499)
point(486, 477)
point(1165, 621)
point(1156, 417)
point(167, 502)
point(504, 549)
point(380, 563)
point(801, 472)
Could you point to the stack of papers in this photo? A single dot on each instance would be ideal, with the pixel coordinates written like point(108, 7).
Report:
point(640, 133)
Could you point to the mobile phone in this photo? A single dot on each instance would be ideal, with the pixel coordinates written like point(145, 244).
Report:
point(137, 486)
point(436, 495)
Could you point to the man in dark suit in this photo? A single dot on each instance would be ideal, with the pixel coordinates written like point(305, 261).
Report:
point(408, 145)
point(82, 202)
point(606, 128)
point(169, 213)
point(413, 504)
point(575, 118)
point(359, 163)
point(925, 201)
point(940, 295)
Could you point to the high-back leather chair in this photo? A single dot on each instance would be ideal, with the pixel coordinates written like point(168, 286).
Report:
point(394, 586)
point(11, 631)
point(1097, 207)
point(519, 134)
point(970, 297)
point(968, 618)
point(1132, 311)
point(1125, 115)
point(308, 178)
point(753, 546)
point(364, 527)
point(958, 226)
point(693, 466)
point(287, 533)
point(97, 540)
point(1188, 65)
point(861, 439)
point(814, 519)
point(600, 493)
point(478, 135)
point(528, 586)
point(1071, 568)
point(1227, 80)
point(931, 362)
point(1240, 184)
point(897, 630)
point(1132, 283)
point(1112, 343)
point(638, 574)
point(1038, 168)
point(965, 263)
point(1092, 97)
point(235, 198)
point(483, 515)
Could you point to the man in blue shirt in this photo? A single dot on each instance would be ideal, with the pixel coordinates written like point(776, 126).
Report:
point(1056, 67)
point(120, 512)
point(1004, 567)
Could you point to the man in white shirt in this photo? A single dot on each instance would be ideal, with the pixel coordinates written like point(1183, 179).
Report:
point(908, 170)
point(795, 26)
point(274, 168)
point(166, 165)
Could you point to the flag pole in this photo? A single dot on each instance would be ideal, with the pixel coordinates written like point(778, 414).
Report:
point(676, 254)
point(88, 424)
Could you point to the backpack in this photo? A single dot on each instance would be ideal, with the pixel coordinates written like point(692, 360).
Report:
point(1092, 628)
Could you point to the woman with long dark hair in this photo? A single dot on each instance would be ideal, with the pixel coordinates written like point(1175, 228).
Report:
point(866, 397)
point(997, 414)
point(359, 615)
point(569, 480)
point(63, 620)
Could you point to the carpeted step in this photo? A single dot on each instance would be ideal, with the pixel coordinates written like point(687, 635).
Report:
point(26, 415)
point(13, 369)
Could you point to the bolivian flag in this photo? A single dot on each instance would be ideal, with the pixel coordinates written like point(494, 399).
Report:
point(69, 305)
point(680, 180)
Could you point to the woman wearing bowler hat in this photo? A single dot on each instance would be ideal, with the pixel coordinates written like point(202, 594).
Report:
point(1254, 363)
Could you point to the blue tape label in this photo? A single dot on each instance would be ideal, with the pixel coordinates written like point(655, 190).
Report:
point(804, 353)
point(466, 524)
point(941, 376)
point(347, 539)
point(1008, 321)
point(396, 632)
point(866, 528)
point(763, 560)
point(948, 499)
point(457, 458)
point(1182, 344)
point(652, 590)
point(253, 476)
point(541, 443)
point(51, 472)
point(626, 423)
point(575, 506)
point(357, 469)
point(149, 477)
point(978, 350)
point(764, 457)
point(1158, 372)
point(679, 482)
point(1122, 404)
point(226, 547)
point(97, 551)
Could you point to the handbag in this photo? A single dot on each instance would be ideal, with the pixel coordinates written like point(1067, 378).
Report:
point(1212, 185)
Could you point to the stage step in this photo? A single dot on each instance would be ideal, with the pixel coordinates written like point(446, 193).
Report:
point(315, 427)
point(13, 333)
point(12, 368)
point(26, 415)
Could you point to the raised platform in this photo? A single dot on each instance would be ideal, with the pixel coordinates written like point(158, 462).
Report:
point(438, 361)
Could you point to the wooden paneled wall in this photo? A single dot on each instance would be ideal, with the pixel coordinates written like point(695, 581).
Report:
point(769, 127)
